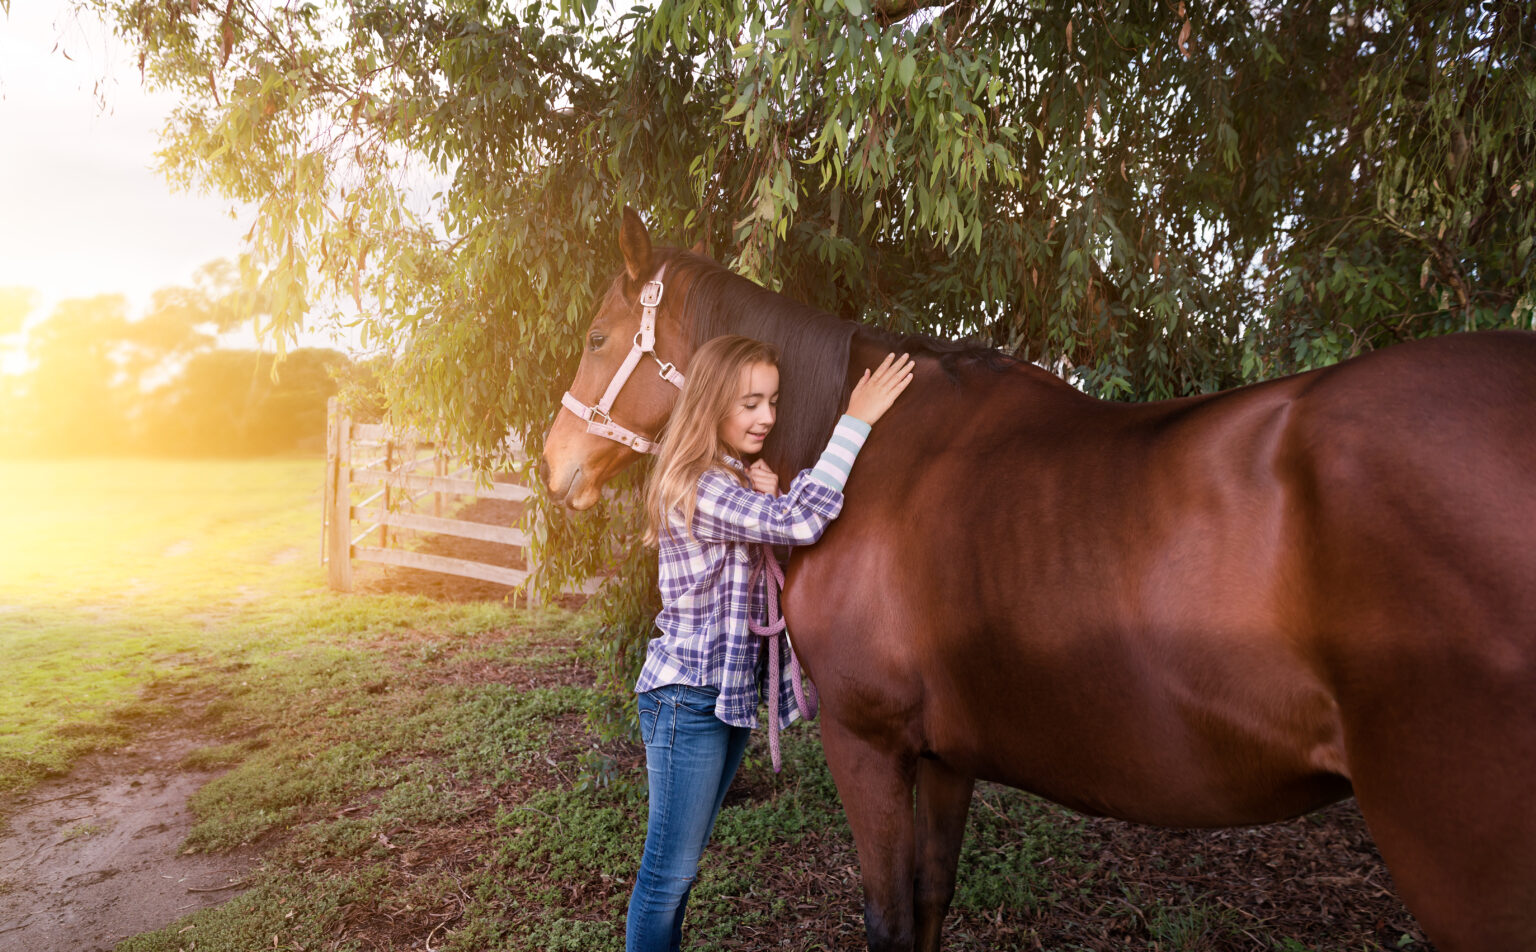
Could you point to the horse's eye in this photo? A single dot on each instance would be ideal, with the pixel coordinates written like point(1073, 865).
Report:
point(596, 341)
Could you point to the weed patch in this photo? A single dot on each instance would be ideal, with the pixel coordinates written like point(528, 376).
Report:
point(434, 807)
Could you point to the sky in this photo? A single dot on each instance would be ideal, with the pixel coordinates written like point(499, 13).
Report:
point(82, 209)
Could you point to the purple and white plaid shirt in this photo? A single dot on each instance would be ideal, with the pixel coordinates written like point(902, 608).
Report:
point(706, 589)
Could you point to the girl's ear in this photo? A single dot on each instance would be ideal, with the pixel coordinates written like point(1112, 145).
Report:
point(635, 244)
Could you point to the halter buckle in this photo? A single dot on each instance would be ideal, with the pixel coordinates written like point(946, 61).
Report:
point(667, 370)
point(650, 295)
point(595, 412)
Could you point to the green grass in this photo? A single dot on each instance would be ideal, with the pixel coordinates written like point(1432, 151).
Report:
point(353, 779)
point(354, 794)
point(371, 754)
point(119, 575)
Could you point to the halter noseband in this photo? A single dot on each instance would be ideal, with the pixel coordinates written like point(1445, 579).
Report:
point(597, 416)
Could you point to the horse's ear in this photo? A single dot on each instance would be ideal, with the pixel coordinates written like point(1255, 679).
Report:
point(635, 243)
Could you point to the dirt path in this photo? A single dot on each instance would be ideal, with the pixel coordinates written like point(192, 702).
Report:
point(92, 858)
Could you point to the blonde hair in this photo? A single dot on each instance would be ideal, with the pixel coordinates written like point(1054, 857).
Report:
point(690, 442)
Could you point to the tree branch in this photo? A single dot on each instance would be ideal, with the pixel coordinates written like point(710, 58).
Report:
point(891, 11)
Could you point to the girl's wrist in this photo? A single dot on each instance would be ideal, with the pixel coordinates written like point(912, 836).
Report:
point(862, 427)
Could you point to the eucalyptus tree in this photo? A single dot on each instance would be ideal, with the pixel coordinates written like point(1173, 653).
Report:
point(1151, 198)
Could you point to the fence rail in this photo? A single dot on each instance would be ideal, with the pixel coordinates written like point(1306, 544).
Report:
point(418, 482)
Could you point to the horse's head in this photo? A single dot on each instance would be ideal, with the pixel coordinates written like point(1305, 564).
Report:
point(628, 379)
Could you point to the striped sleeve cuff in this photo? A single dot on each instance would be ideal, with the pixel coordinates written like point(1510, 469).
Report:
point(837, 460)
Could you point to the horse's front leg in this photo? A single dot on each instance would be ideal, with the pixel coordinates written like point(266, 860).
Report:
point(875, 786)
point(943, 800)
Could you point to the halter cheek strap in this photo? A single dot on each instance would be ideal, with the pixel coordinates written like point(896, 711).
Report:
point(597, 415)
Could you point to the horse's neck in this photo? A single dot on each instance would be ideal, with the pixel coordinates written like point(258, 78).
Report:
point(794, 328)
point(814, 349)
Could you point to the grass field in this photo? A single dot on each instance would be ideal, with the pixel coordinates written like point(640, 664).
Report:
point(118, 573)
point(421, 774)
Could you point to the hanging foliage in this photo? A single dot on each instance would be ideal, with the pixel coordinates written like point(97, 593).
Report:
point(1151, 198)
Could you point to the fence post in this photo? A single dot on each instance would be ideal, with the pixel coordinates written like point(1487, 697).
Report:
point(337, 551)
point(439, 470)
point(326, 505)
point(389, 471)
point(339, 482)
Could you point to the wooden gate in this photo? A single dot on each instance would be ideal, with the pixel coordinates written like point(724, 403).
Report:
point(412, 485)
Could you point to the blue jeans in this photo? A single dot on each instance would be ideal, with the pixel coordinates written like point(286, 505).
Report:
point(691, 757)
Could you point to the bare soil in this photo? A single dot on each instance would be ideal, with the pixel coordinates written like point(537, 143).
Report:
point(94, 857)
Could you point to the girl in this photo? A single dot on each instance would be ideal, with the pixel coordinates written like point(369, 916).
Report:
point(698, 691)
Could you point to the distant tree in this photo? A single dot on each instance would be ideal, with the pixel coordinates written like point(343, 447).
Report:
point(99, 383)
point(229, 403)
point(74, 396)
point(289, 412)
point(181, 323)
point(15, 306)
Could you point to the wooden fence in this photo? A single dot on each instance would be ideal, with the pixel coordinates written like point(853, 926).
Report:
point(412, 485)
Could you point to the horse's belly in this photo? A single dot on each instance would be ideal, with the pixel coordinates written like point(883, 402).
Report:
point(1206, 737)
point(1176, 796)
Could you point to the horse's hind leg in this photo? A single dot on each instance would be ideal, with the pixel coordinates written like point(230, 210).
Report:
point(1465, 865)
point(875, 786)
point(943, 800)
point(1448, 787)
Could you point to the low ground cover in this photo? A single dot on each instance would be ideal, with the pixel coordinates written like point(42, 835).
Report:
point(421, 773)
point(432, 789)
point(117, 574)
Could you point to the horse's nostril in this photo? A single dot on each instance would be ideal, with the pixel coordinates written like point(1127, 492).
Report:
point(544, 470)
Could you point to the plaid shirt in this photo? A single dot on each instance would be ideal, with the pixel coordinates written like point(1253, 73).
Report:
point(706, 589)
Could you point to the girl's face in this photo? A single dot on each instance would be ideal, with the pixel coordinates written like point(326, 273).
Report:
point(752, 410)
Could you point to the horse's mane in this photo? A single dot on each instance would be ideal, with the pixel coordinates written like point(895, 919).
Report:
point(813, 347)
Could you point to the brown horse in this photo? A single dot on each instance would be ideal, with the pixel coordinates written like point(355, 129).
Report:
point(1219, 610)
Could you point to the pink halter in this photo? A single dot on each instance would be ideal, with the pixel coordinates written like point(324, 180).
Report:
point(597, 416)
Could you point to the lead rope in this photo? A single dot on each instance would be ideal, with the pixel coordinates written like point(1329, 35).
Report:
point(805, 698)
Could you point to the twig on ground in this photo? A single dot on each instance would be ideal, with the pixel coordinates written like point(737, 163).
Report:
point(214, 889)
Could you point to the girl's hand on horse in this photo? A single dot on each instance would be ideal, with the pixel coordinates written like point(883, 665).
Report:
point(764, 480)
point(877, 390)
